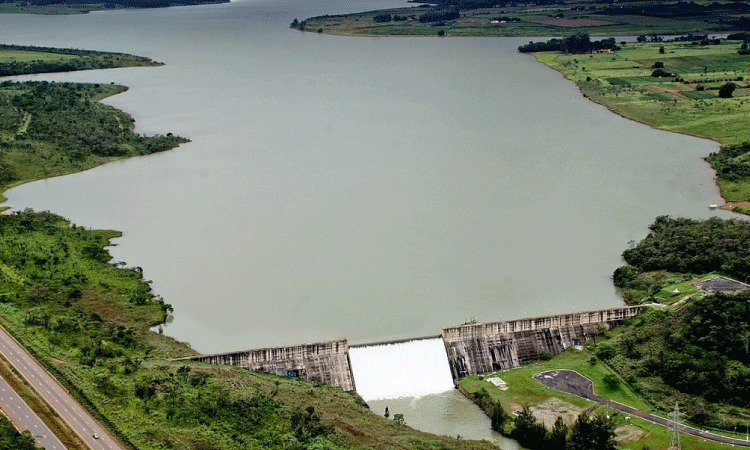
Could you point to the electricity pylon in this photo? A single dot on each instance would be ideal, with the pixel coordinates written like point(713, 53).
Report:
point(674, 443)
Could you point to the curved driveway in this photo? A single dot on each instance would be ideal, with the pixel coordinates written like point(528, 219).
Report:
point(574, 383)
point(78, 419)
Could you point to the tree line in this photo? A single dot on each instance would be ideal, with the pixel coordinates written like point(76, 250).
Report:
point(732, 162)
point(588, 432)
point(574, 44)
point(690, 246)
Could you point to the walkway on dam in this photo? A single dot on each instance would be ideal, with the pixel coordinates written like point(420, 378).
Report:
point(574, 383)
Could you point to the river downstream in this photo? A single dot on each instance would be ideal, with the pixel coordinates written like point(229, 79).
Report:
point(360, 188)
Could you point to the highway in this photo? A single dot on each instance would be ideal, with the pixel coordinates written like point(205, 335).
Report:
point(23, 418)
point(77, 418)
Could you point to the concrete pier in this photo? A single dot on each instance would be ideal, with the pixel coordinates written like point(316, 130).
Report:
point(326, 362)
point(478, 347)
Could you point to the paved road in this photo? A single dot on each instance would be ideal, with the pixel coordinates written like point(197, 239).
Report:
point(55, 395)
point(574, 383)
point(23, 418)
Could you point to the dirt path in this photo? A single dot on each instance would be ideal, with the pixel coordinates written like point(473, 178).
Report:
point(574, 383)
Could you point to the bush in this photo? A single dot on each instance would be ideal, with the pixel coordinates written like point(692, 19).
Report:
point(727, 90)
point(611, 381)
point(658, 73)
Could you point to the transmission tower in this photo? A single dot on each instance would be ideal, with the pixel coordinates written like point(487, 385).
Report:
point(674, 443)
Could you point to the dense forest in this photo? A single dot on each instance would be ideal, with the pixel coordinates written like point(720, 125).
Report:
point(51, 129)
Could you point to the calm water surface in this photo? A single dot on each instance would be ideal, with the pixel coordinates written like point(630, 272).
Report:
point(366, 188)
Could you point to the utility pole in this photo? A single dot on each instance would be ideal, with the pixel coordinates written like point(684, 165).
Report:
point(674, 443)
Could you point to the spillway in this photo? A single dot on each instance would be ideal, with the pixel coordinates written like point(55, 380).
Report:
point(405, 369)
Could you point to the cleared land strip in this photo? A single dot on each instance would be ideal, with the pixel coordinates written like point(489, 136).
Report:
point(574, 383)
point(55, 395)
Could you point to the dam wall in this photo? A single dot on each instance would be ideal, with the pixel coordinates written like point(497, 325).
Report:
point(474, 348)
point(471, 348)
point(326, 362)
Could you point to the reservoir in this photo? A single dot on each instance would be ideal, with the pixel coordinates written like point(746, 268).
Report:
point(361, 188)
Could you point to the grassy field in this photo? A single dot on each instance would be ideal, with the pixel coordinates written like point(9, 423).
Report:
point(534, 21)
point(622, 82)
point(7, 56)
point(524, 390)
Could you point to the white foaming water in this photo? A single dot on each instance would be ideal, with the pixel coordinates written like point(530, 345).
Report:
point(406, 369)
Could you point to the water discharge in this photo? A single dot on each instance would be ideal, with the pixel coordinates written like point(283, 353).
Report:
point(405, 369)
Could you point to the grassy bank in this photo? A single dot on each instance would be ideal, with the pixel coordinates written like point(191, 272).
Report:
point(687, 102)
point(533, 20)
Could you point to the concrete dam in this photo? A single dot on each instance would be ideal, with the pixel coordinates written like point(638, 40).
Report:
point(478, 347)
point(325, 362)
point(467, 349)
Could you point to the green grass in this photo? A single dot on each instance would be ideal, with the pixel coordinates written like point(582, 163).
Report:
point(26, 56)
point(534, 22)
point(622, 83)
point(523, 390)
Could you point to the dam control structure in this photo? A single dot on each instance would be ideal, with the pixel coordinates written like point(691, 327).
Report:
point(470, 348)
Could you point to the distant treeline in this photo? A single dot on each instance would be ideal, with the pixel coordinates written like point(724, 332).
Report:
point(115, 4)
point(667, 10)
point(439, 16)
point(679, 9)
point(578, 43)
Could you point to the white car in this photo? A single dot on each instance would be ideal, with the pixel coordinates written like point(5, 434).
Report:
point(95, 435)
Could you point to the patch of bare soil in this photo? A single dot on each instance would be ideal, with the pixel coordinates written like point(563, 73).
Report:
point(730, 205)
point(549, 410)
point(573, 22)
point(628, 433)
